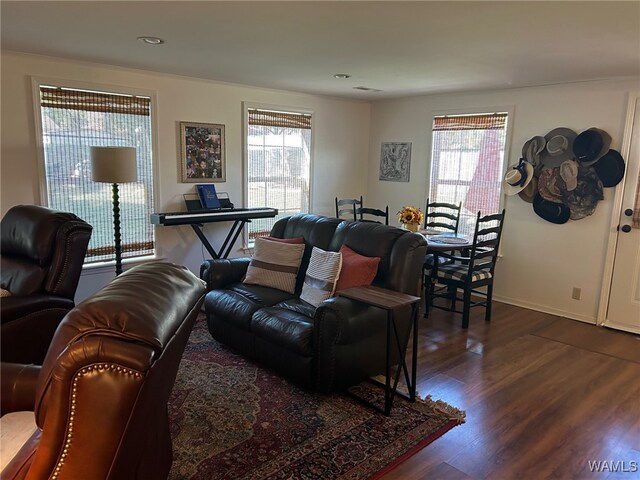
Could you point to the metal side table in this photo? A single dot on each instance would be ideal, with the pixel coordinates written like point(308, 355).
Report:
point(390, 301)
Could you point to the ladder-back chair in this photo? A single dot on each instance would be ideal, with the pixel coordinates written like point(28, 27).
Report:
point(467, 273)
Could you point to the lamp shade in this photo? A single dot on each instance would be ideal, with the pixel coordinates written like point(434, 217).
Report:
point(113, 164)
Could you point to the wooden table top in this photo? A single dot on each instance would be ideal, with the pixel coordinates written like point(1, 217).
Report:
point(379, 297)
point(441, 246)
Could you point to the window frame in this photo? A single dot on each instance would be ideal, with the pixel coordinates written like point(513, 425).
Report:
point(246, 106)
point(508, 109)
point(36, 83)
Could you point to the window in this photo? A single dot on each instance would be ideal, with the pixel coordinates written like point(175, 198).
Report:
point(278, 165)
point(467, 163)
point(73, 120)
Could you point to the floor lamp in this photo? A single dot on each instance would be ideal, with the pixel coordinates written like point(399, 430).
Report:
point(114, 165)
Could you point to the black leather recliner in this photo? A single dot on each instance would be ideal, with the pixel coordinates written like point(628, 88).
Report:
point(328, 348)
point(42, 253)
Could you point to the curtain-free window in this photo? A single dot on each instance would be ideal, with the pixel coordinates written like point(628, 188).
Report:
point(73, 120)
point(278, 165)
point(467, 162)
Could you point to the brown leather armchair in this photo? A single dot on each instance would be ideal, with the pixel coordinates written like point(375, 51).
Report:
point(42, 255)
point(100, 398)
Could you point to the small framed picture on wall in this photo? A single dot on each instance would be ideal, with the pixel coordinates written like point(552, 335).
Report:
point(395, 161)
point(202, 156)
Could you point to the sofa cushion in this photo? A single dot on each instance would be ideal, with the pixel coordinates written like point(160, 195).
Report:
point(357, 270)
point(294, 241)
point(237, 303)
point(275, 265)
point(321, 277)
point(370, 240)
point(285, 327)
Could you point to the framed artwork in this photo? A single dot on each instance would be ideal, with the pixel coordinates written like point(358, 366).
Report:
point(395, 161)
point(202, 156)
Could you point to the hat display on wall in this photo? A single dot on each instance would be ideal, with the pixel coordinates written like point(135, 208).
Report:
point(559, 147)
point(570, 173)
point(582, 201)
point(610, 168)
point(590, 145)
point(531, 151)
point(551, 186)
point(550, 211)
point(517, 177)
point(529, 191)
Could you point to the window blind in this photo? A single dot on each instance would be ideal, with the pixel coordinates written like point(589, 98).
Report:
point(466, 163)
point(278, 167)
point(73, 120)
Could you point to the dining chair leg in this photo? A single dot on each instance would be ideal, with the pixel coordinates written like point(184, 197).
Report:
point(466, 308)
point(428, 285)
point(487, 311)
point(453, 293)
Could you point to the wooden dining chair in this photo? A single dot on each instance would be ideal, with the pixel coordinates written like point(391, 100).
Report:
point(440, 217)
point(467, 273)
point(346, 208)
point(373, 212)
point(444, 217)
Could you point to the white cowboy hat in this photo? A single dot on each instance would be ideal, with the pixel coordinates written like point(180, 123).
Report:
point(517, 177)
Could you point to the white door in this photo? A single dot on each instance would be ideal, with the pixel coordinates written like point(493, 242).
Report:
point(624, 296)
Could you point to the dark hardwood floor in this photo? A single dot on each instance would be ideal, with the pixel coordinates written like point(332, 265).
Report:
point(543, 396)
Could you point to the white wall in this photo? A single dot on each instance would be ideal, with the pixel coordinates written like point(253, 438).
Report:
point(341, 132)
point(541, 261)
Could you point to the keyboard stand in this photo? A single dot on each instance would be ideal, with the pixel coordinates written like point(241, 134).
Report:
point(196, 219)
point(229, 241)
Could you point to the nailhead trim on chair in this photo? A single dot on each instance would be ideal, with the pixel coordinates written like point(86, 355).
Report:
point(100, 367)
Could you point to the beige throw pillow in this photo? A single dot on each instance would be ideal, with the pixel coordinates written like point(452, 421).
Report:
point(321, 277)
point(275, 265)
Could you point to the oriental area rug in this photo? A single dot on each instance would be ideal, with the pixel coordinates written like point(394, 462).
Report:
point(232, 419)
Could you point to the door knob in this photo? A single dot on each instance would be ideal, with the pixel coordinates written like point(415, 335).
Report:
point(628, 212)
point(626, 228)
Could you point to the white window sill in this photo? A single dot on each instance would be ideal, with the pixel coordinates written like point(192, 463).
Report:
point(96, 268)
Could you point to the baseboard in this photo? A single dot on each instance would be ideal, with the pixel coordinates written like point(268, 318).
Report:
point(546, 309)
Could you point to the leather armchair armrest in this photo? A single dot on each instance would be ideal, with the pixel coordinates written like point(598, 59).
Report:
point(343, 321)
point(221, 272)
point(19, 306)
point(18, 384)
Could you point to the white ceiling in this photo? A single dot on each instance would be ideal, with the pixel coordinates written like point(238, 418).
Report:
point(401, 48)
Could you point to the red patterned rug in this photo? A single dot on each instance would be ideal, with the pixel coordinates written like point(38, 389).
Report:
point(232, 419)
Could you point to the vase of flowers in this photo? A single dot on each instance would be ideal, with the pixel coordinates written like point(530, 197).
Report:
point(411, 218)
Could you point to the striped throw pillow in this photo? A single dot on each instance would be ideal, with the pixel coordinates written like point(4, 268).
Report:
point(322, 276)
point(275, 265)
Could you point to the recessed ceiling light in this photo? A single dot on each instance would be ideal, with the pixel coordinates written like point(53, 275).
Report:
point(342, 76)
point(151, 40)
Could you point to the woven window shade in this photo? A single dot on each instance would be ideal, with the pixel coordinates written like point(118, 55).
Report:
point(496, 121)
point(269, 118)
point(73, 121)
point(278, 145)
point(466, 164)
point(88, 101)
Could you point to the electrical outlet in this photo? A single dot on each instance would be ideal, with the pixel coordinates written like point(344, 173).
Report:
point(576, 293)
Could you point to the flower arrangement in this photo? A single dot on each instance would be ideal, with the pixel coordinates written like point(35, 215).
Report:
point(410, 215)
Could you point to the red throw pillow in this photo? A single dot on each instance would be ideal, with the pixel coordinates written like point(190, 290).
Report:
point(357, 270)
point(294, 241)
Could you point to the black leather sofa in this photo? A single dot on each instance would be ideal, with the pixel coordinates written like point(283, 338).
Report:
point(328, 348)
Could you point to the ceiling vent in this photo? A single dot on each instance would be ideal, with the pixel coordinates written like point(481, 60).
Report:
point(367, 89)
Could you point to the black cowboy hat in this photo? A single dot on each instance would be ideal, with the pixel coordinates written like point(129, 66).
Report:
point(610, 168)
point(550, 211)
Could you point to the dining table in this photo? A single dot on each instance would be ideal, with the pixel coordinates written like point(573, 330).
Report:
point(438, 241)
